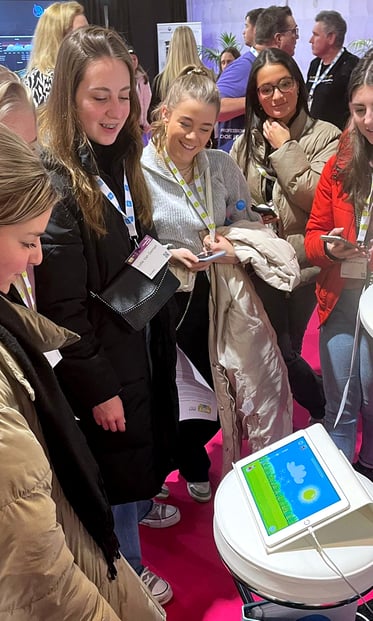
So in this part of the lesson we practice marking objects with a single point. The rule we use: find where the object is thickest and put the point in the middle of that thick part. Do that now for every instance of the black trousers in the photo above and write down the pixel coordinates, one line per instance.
(289, 314)
(192, 338)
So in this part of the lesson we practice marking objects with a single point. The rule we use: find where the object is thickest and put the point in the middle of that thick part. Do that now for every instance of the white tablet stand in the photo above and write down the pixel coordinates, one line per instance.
(295, 574)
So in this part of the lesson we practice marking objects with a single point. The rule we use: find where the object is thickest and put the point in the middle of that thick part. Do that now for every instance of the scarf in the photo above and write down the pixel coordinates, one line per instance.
(71, 458)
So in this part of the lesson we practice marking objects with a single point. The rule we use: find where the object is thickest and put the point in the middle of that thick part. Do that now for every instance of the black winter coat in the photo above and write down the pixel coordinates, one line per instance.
(110, 359)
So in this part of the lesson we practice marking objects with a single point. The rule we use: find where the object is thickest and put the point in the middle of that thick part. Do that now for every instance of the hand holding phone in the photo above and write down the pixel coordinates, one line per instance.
(209, 255)
(264, 210)
(338, 238)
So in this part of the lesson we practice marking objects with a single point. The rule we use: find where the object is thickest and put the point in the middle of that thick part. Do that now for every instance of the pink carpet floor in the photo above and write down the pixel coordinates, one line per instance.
(185, 554)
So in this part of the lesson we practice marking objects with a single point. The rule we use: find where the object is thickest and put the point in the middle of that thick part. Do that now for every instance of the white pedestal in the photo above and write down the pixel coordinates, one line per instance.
(298, 576)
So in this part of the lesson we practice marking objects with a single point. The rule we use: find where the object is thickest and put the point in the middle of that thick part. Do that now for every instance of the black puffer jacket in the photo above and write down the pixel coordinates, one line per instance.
(110, 359)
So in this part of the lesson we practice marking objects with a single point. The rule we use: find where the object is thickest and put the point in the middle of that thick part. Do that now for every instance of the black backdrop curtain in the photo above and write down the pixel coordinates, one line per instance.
(137, 20)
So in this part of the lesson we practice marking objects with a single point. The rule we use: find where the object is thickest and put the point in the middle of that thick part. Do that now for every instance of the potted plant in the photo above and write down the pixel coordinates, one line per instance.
(360, 46)
(226, 39)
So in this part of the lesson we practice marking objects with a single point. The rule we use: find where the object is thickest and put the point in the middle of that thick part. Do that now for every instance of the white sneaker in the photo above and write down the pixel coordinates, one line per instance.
(201, 492)
(161, 516)
(159, 588)
(164, 492)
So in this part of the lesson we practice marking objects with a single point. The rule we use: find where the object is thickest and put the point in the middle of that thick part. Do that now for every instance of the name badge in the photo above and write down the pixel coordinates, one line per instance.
(149, 257)
(354, 268)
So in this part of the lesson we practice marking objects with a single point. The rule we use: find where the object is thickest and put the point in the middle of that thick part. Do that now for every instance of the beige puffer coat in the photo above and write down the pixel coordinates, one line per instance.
(250, 377)
(51, 569)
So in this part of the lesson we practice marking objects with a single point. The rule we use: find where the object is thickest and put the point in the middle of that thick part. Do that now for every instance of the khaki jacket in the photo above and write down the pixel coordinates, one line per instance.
(51, 569)
(297, 165)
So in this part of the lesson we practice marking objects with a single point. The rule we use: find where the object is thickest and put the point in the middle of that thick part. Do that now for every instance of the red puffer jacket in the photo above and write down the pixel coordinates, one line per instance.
(330, 209)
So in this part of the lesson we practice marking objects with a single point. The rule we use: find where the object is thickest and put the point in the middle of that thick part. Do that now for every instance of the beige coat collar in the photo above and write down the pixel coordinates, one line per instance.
(43, 333)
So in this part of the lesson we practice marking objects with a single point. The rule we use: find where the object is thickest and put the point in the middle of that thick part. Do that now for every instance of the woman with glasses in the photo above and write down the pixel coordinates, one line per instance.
(282, 153)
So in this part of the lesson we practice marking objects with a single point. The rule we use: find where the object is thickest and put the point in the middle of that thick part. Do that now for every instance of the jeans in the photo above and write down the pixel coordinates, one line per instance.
(126, 525)
(336, 342)
(289, 314)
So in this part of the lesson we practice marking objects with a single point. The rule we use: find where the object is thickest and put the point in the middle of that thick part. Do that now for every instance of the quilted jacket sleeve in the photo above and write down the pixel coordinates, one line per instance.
(298, 164)
(38, 577)
(321, 220)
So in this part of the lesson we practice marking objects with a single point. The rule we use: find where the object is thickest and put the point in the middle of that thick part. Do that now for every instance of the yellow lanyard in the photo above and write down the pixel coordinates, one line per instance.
(199, 205)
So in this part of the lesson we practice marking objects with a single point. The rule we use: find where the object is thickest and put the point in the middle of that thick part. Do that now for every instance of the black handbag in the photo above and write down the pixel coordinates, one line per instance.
(136, 297)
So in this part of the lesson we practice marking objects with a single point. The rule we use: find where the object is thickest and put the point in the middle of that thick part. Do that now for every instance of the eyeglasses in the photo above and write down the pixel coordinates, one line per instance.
(294, 31)
(284, 86)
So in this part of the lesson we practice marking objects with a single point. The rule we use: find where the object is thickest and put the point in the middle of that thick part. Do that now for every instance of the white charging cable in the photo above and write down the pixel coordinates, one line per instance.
(331, 564)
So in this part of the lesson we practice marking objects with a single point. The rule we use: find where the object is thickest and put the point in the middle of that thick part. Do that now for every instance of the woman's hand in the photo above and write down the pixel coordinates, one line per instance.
(339, 250)
(268, 219)
(110, 414)
(187, 258)
(221, 243)
(276, 132)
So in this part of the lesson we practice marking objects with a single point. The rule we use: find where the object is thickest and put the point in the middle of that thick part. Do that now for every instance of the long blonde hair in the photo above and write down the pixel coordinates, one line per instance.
(52, 27)
(183, 51)
(26, 189)
(61, 133)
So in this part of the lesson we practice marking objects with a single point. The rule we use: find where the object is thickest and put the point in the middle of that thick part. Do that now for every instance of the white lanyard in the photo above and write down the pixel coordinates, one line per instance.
(24, 289)
(129, 215)
(199, 205)
(366, 216)
(319, 78)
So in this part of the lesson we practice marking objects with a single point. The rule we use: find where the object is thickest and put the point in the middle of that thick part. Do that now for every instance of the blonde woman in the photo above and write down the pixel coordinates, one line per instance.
(194, 188)
(57, 20)
(183, 51)
(56, 526)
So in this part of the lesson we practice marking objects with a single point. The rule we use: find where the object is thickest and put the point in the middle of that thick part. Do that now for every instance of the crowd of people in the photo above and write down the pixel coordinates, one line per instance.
(103, 172)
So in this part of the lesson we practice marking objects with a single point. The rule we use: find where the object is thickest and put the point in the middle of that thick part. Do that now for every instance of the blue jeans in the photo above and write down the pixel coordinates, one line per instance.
(126, 526)
(336, 341)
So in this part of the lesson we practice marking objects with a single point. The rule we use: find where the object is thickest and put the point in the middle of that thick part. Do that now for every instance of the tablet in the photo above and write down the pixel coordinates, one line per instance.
(289, 486)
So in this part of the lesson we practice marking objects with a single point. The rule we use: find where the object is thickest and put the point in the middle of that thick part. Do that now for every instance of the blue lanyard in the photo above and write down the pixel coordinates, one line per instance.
(129, 215)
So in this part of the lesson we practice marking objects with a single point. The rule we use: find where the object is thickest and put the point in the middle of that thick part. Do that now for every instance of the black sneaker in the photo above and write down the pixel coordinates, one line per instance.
(363, 610)
(364, 470)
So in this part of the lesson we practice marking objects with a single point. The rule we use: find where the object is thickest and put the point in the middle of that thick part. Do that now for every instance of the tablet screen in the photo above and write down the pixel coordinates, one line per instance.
(288, 485)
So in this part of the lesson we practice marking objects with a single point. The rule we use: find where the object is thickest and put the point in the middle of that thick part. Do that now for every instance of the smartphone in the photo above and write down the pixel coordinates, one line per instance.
(264, 210)
(210, 256)
(338, 238)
